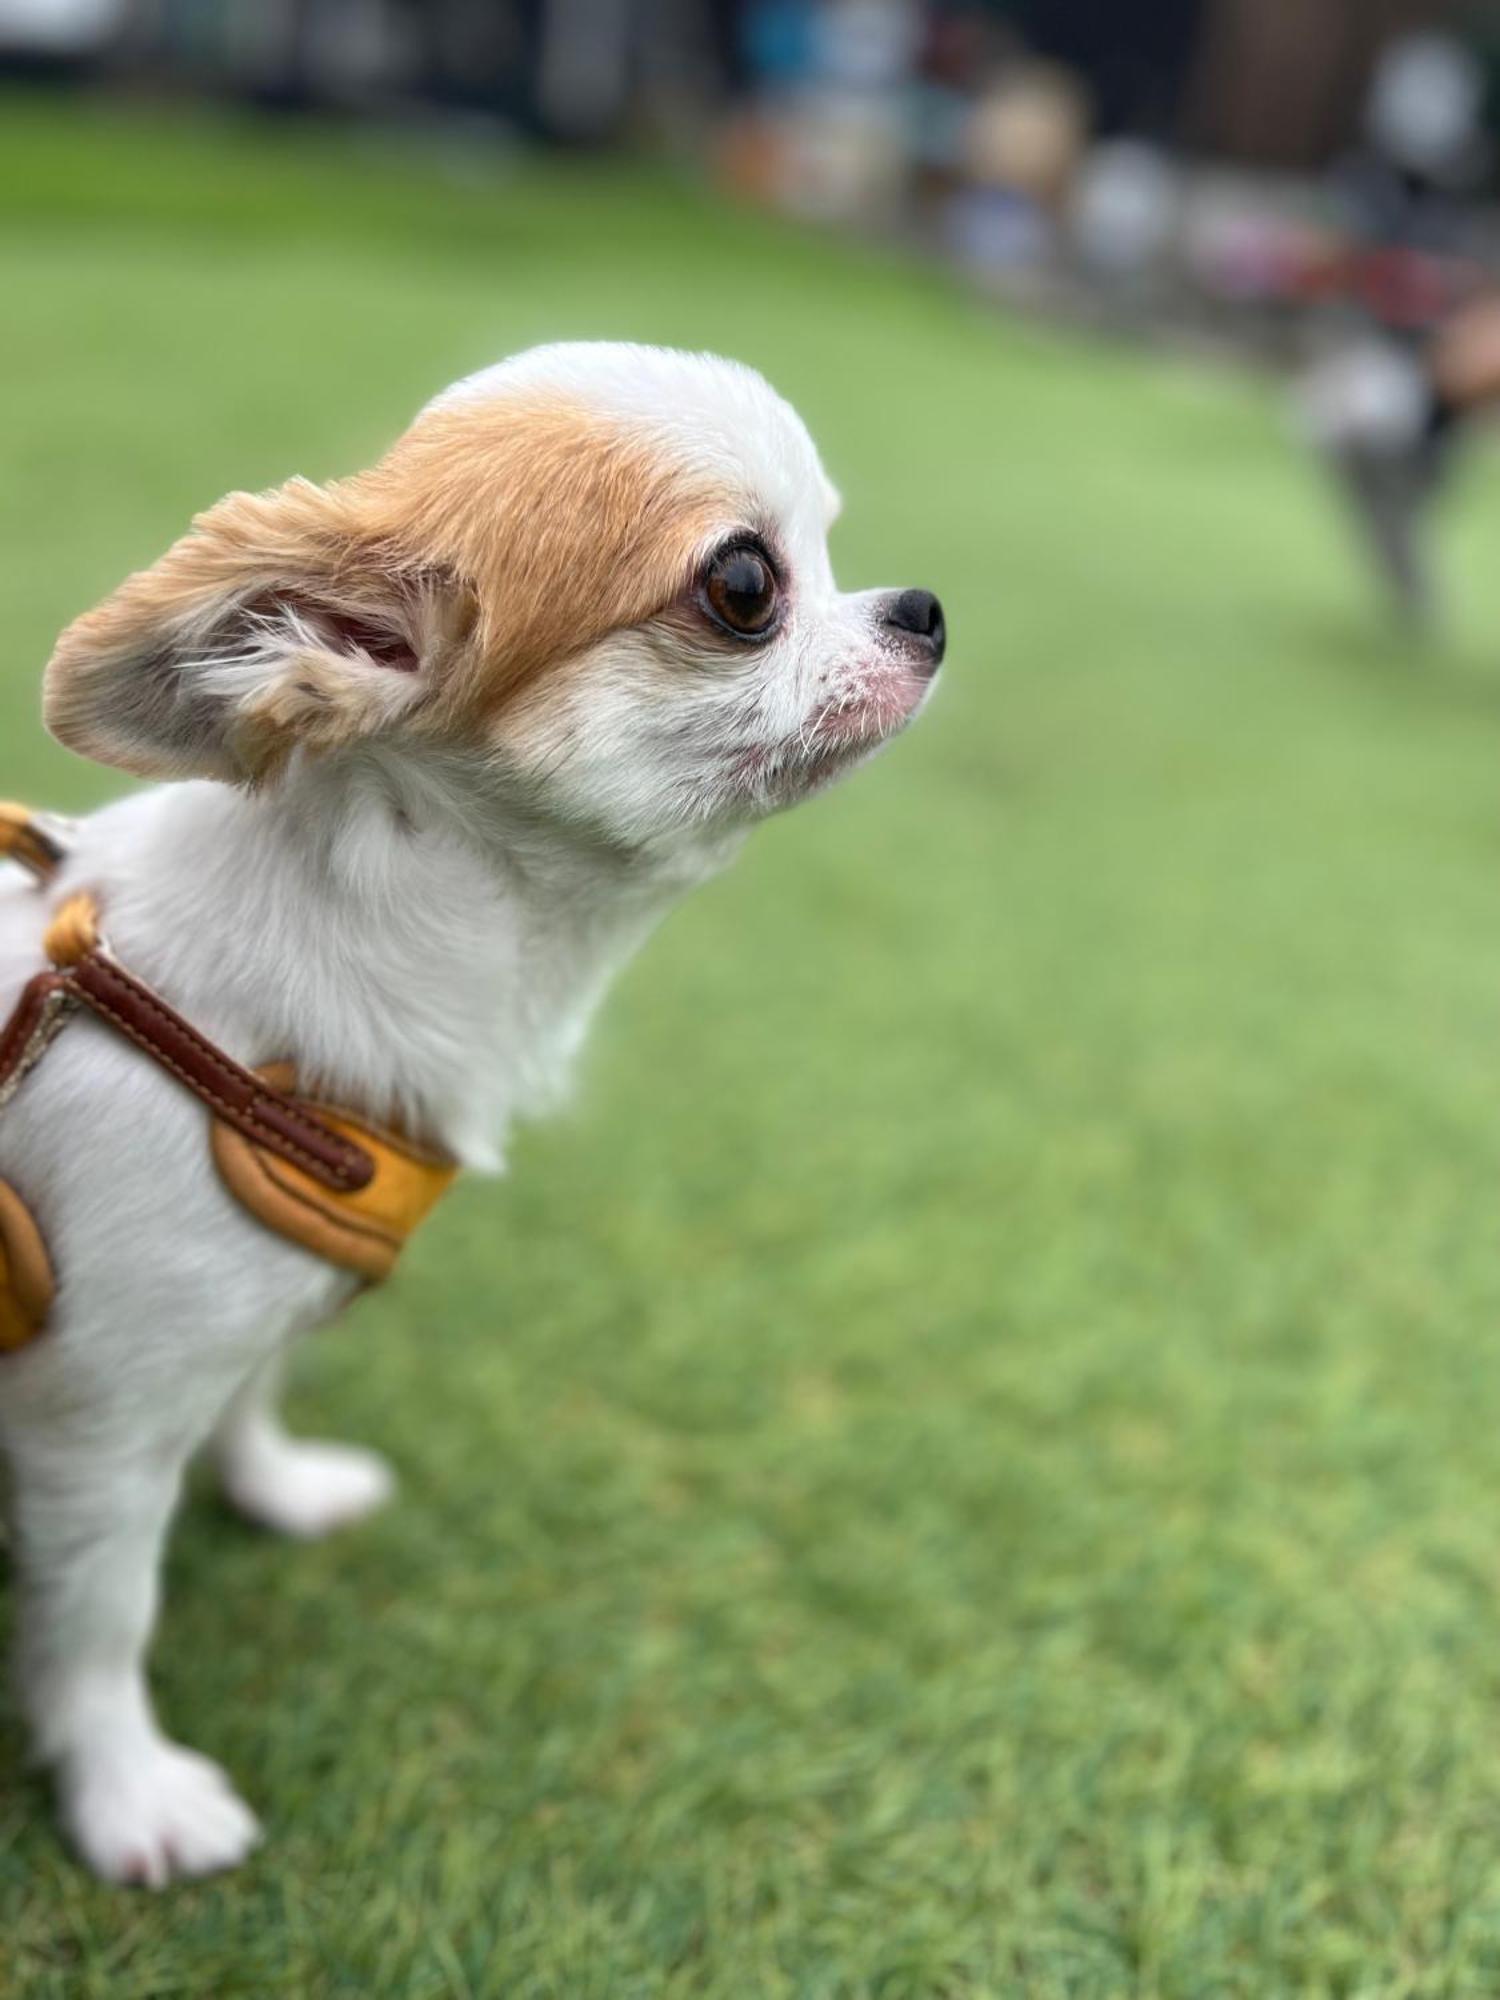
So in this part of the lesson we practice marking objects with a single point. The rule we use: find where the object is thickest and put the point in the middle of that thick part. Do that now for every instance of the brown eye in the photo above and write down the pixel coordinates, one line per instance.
(741, 590)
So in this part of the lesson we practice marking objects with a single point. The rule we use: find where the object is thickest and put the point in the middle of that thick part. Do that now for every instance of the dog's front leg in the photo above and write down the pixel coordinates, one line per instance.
(90, 1519)
(298, 1486)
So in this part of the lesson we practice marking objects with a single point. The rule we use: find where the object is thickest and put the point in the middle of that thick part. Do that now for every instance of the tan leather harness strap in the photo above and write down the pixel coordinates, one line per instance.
(33, 841)
(27, 1284)
(88, 975)
(37, 844)
(363, 1231)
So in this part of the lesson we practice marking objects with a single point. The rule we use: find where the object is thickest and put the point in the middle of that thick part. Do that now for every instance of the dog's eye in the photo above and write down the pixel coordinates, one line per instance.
(741, 592)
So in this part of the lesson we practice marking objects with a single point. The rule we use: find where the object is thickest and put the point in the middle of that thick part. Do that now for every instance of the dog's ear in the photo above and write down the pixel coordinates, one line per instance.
(280, 620)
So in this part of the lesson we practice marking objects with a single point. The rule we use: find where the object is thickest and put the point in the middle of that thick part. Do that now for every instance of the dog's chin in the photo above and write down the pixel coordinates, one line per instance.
(837, 738)
(807, 770)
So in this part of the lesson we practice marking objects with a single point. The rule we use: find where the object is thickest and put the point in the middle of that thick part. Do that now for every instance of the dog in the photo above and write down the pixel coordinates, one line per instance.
(434, 748)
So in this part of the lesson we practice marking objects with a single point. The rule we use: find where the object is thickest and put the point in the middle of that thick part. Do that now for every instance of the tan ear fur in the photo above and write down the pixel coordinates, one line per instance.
(271, 621)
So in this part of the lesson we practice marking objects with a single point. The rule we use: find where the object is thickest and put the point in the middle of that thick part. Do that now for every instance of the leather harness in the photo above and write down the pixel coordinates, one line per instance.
(318, 1175)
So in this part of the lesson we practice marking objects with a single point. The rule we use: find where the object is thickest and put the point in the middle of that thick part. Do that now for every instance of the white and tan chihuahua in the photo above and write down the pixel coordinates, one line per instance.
(456, 732)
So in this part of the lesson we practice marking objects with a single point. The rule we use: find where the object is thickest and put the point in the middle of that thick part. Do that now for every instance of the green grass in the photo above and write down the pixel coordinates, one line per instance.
(970, 1465)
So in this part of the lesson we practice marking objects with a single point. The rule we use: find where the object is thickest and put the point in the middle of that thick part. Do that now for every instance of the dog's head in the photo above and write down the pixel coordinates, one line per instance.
(599, 571)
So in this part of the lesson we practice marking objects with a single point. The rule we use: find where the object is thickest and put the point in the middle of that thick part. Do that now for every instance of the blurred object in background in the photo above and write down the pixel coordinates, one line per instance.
(610, 70)
(1257, 251)
(1367, 407)
(1126, 211)
(1026, 133)
(1409, 189)
(1424, 112)
(59, 28)
(1388, 417)
(824, 134)
(1022, 144)
(1388, 403)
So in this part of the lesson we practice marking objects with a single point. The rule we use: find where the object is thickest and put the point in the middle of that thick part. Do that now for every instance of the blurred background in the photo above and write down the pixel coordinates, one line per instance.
(966, 1465)
(1312, 184)
(1220, 162)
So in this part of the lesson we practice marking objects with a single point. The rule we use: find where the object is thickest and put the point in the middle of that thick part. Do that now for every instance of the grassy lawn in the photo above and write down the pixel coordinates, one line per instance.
(970, 1464)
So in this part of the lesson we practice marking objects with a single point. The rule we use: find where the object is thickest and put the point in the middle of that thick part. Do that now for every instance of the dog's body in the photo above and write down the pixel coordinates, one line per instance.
(468, 804)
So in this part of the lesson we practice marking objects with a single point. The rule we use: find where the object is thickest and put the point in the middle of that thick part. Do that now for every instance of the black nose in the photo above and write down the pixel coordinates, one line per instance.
(918, 612)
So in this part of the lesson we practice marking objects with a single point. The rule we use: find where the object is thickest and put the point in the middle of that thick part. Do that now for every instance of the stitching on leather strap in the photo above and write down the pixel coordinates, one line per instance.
(236, 1114)
(22, 1024)
(40, 1017)
(344, 1165)
(83, 973)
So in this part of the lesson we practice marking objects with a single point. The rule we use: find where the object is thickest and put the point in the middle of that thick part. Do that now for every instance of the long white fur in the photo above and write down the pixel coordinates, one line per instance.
(428, 947)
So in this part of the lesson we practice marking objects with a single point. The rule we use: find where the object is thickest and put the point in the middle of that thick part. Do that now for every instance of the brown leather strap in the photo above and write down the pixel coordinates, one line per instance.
(39, 1013)
(231, 1092)
(27, 1285)
(84, 974)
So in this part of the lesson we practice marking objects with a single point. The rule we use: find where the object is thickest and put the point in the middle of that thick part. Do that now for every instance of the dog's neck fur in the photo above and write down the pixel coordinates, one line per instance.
(423, 951)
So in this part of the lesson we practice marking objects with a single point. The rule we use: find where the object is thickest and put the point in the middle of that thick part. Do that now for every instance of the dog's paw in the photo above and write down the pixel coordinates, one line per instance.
(307, 1489)
(157, 1816)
